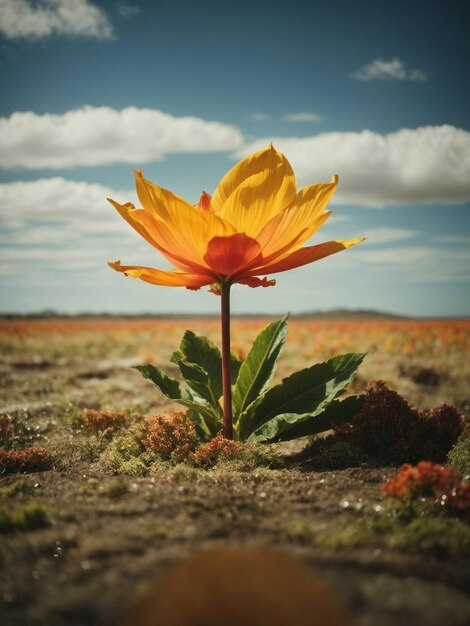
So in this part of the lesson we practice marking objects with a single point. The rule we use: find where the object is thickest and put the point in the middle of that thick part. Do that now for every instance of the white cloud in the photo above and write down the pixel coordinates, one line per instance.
(24, 19)
(423, 165)
(397, 265)
(259, 117)
(302, 116)
(56, 199)
(127, 10)
(388, 70)
(386, 235)
(59, 212)
(336, 219)
(34, 255)
(97, 136)
(453, 239)
(413, 264)
(57, 224)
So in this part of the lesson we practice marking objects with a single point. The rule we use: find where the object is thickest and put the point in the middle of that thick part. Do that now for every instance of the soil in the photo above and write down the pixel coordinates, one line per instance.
(101, 551)
(109, 536)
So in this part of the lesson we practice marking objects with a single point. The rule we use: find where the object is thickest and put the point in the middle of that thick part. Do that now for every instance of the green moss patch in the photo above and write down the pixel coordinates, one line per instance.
(29, 517)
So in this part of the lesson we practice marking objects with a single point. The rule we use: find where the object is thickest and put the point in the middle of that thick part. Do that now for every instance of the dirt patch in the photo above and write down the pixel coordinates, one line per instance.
(102, 549)
(108, 535)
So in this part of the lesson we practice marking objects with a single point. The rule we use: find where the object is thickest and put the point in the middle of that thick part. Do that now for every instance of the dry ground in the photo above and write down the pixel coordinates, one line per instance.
(109, 535)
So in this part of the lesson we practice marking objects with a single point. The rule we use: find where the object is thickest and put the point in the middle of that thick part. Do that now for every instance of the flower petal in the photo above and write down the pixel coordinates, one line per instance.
(191, 227)
(168, 278)
(290, 229)
(157, 235)
(304, 256)
(229, 255)
(254, 281)
(205, 201)
(158, 201)
(126, 211)
(179, 252)
(255, 190)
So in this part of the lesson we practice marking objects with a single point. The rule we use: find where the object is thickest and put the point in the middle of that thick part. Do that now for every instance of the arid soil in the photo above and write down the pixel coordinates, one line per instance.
(109, 535)
(101, 550)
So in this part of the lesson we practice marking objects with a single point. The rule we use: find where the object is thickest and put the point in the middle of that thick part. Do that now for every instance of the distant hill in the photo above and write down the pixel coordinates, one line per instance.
(331, 314)
(350, 313)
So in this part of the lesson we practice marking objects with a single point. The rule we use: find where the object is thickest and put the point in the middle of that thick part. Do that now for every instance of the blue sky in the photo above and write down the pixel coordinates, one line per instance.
(374, 91)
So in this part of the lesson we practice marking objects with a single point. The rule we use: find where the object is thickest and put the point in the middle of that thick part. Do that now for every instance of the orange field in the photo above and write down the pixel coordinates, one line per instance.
(426, 360)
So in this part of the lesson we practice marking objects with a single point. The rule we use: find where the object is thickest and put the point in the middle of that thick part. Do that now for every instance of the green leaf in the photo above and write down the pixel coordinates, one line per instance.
(304, 392)
(203, 353)
(235, 365)
(198, 380)
(171, 389)
(203, 431)
(211, 420)
(258, 367)
(292, 425)
(176, 357)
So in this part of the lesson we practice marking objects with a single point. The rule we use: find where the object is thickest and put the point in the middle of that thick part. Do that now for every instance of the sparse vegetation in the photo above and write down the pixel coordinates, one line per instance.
(171, 440)
(25, 461)
(118, 505)
(28, 517)
(114, 489)
(19, 488)
(459, 456)
(440, 537)
(387, 430)
(429, 489)
(332, 453)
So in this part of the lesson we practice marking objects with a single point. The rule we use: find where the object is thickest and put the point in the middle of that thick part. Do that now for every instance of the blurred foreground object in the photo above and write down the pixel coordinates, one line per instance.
(238, 586)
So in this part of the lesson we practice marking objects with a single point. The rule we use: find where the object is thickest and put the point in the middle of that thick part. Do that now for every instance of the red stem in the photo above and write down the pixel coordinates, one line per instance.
(226, 374)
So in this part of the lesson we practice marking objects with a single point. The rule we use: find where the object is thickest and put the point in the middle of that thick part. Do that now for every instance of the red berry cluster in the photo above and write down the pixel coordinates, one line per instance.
(389, 430)
(171, 438)
(430, 488)
(99, 422)
(174, 438)
(29, 460)
(216, 450)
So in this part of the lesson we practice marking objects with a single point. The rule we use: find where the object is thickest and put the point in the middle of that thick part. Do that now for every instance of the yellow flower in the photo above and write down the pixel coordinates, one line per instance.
(254, 225)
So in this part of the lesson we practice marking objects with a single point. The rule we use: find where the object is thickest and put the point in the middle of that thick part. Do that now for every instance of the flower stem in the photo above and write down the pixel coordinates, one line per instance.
(226, 374)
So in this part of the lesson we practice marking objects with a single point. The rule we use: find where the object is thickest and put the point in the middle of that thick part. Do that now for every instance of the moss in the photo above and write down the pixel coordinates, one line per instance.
(88, 487)
(441, 537)
(388, 430)
(438, 536)
(251, 457)
(330, 453)
(70, 453)
(114, 489)
(459, 457)
(355, 535)
(17, 489)
(298, 531)
(28, 517)
(126, 454)
(134, 467)
(16, 430)
(179, 473)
